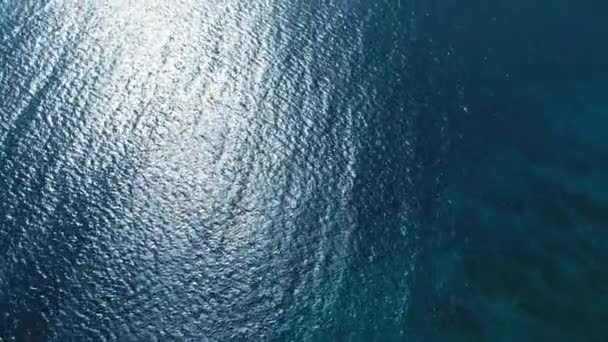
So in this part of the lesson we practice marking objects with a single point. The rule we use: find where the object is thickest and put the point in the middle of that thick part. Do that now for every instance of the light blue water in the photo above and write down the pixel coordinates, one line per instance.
(303, 170)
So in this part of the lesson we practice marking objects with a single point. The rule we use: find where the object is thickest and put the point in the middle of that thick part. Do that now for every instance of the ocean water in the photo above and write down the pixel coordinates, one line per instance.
(391, 170)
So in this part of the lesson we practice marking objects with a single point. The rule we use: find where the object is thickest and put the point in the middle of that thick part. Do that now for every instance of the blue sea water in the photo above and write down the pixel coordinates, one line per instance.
(407, 170)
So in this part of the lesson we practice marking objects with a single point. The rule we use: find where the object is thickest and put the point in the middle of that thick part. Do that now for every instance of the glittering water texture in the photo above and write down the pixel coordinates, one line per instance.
(302, 170)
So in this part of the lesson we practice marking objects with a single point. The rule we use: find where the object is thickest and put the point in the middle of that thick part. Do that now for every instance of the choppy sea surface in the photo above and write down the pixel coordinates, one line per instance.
(407, 170)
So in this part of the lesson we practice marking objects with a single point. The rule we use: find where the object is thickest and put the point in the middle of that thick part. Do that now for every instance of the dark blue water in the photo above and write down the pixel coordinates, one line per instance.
(303, 170)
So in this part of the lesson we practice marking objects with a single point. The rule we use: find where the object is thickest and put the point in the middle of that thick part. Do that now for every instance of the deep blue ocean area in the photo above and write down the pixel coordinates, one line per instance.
(303, 170)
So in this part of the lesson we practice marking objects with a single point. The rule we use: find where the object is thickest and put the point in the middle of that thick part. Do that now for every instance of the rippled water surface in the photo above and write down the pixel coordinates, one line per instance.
(302, 170)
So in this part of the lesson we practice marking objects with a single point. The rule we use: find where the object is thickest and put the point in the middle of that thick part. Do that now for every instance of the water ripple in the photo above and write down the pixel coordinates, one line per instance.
(202, 170)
